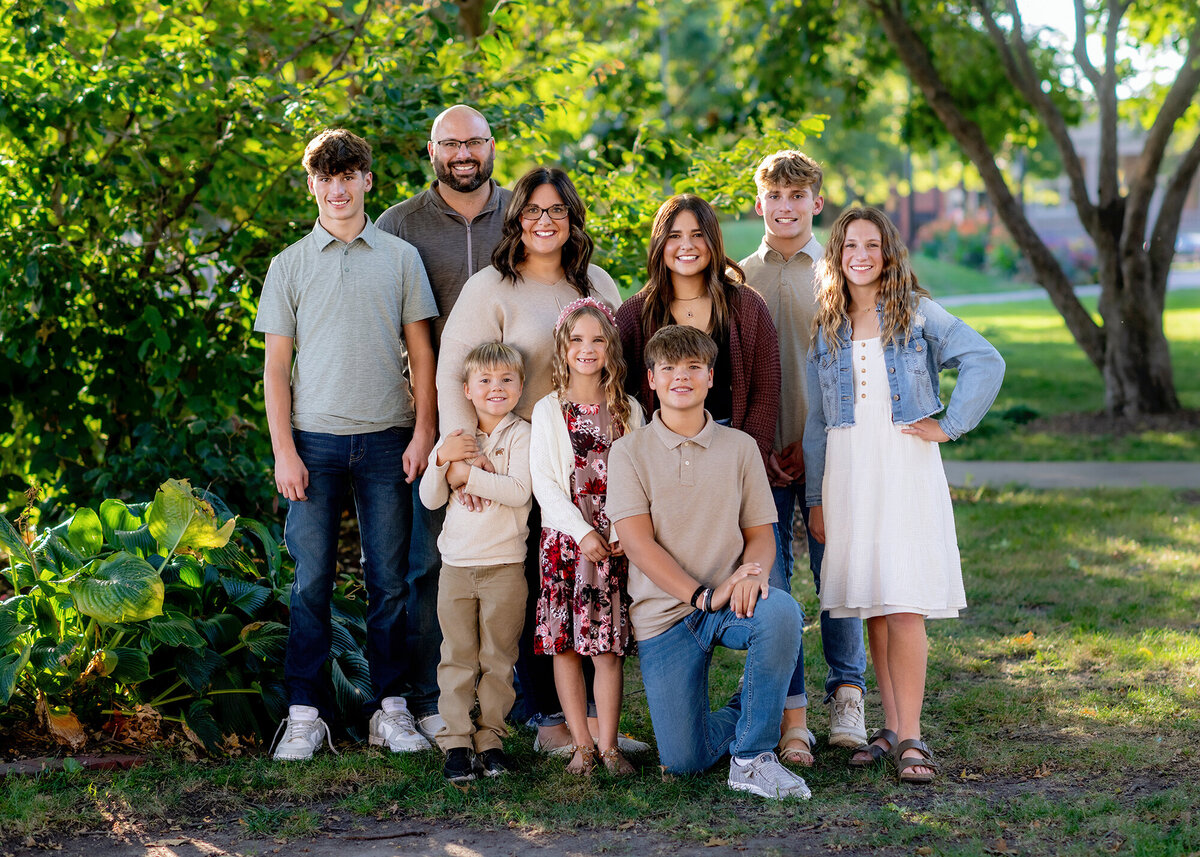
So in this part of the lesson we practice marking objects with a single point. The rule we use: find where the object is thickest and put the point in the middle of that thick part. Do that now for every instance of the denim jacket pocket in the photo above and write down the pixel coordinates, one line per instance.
(922, 390)
(827, 374)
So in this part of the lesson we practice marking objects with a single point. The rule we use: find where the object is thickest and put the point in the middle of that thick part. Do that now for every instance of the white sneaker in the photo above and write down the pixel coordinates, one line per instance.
(395, 729)
(847, 722)
(430, 725)
(303, 734)
(766, 777)
(629, 744)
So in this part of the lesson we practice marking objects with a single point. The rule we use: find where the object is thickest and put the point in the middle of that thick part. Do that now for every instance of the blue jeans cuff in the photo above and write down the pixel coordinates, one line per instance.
(799, 700)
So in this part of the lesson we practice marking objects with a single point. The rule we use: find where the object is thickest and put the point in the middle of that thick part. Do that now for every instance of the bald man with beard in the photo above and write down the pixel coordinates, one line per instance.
(455, 225)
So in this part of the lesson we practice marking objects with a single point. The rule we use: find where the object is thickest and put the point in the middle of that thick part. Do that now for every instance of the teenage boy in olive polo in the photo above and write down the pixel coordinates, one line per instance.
(455, 223)
(693, 511)
(348, 300)
(781, 270)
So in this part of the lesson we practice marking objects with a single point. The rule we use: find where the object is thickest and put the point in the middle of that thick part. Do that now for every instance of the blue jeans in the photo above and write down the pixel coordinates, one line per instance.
(371, 466)
(841, 639)
(424, 633)
(675, 666)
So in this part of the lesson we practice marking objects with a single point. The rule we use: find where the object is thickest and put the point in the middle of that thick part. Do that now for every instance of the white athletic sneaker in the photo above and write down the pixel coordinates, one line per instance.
(303, 734)
(392, 726)
(430, 725)
(766, 777)
(847, 722)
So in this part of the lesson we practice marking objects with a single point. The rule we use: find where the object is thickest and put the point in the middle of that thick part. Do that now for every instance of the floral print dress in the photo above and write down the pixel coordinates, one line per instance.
(583, 605)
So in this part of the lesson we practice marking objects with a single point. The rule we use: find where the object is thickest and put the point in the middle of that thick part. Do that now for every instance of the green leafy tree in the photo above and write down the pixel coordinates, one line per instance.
(1134, 241)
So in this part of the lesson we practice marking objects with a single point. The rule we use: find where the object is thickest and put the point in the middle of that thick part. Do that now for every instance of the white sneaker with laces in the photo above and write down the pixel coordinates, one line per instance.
(392, 726)
(766, 777)
(847, 722)
(430, 725)
(303, 734)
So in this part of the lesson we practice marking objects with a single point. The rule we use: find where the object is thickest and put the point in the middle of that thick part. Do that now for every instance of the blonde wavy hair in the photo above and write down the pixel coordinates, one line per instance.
(612, 376)
(899, 290)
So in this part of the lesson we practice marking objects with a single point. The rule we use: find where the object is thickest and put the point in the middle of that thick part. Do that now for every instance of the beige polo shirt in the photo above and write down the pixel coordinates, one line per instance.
(788, 288)
(700, 493)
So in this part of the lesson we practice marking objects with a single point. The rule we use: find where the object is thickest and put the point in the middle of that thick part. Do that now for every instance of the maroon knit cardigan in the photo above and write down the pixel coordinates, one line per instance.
(754, 357)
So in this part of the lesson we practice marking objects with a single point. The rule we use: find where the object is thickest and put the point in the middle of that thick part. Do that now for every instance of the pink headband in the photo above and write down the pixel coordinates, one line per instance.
(579, 303)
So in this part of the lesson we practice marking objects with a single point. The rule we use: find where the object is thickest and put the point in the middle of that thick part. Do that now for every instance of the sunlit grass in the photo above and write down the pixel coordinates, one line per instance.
(1063, 705)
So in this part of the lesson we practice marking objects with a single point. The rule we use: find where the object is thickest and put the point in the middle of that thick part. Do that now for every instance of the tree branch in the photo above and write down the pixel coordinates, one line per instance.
(916, 57)
(1081, 55)
(1166, 227)
(1144, 178)
(1030, 86)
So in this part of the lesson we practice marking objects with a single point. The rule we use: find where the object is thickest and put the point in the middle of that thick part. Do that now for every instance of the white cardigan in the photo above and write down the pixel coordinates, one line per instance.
(552, 464)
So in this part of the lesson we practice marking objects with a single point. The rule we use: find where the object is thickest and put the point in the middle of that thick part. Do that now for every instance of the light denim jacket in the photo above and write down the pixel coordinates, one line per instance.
(938, 341)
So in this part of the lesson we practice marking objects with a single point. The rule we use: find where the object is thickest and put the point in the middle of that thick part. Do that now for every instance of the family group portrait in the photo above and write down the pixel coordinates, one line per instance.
(478, 428)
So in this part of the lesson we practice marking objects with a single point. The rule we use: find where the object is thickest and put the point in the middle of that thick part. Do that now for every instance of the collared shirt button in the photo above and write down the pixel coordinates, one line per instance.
(892, 371)
(895, 398)
(685, 461)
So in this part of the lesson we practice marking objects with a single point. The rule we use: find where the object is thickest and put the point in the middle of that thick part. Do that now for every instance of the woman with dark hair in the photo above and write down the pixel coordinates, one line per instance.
(691, 281)
(541, 264)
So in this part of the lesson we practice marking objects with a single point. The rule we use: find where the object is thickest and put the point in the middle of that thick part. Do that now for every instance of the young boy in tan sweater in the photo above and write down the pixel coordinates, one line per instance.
(482, 591)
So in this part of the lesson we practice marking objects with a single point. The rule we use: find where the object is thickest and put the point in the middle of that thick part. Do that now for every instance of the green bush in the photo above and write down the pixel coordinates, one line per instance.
(172, 609)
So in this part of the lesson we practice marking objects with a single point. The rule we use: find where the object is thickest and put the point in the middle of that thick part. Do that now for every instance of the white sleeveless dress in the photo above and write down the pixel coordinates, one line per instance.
(890, 545)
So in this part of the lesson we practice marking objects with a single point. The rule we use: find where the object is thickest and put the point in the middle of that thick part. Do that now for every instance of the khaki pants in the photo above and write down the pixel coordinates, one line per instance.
(481, 610)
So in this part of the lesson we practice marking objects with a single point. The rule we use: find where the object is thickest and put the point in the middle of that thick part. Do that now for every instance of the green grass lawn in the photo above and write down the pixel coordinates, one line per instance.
(1064, 706)
(1048, 374)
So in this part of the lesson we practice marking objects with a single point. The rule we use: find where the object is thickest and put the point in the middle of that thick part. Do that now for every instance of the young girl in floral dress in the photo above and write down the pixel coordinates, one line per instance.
(583, 608)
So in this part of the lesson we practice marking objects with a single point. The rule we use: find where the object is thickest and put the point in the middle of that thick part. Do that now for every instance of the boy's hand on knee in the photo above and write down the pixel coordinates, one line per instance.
(748, 576)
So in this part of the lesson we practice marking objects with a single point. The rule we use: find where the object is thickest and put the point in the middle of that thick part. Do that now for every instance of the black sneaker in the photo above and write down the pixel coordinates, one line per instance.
(460, 765)
(494, 763)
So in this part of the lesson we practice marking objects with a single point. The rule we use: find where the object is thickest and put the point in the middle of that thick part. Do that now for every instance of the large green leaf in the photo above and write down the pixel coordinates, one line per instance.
(133, 665)
(199, 720)
(10, 667)
(52, 655)
(62, 556)
(221, 630)
(232, 557)
(175, 630)
(11, 626)
(85, 532)
(179, 519)
(271, 549)
(197, 667)
(116, 516)
(246, 596)
(351, 683)
(14, 544)
(268, 640)
(137, 541)
(125, 588)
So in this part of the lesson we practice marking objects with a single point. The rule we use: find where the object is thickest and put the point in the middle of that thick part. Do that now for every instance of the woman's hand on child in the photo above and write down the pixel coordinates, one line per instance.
(457, 446)
(594, 547)
(927, 429)
(472, 502)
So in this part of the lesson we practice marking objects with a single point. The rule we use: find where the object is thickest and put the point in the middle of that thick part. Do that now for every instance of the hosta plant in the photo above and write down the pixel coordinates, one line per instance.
(172, 610)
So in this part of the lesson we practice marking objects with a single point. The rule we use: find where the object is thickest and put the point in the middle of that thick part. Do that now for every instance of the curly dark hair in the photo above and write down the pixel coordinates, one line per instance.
(576, 253)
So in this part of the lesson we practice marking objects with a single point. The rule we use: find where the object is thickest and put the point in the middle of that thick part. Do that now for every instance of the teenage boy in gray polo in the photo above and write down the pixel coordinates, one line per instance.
(349, 300)
(781, 270)
(455, 224)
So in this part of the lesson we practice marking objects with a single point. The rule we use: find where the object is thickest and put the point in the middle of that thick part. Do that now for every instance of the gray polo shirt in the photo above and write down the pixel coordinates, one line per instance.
(452, 248)
(345, 305)
(787, 287)
(700, 493)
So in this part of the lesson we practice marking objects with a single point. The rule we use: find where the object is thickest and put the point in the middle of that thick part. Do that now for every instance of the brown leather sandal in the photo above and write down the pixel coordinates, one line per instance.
(616, 764)
(587, 760)
(904, 774)
(874, 750)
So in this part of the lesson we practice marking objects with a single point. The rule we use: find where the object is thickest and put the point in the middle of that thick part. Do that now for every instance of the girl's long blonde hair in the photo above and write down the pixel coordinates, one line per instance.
(612, 376)
(899, 290)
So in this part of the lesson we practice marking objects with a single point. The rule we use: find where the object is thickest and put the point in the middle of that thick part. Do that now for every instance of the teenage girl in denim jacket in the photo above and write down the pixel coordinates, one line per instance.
(874, 472)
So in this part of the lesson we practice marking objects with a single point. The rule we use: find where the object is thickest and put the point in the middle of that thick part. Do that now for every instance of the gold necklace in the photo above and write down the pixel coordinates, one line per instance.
(690, 314)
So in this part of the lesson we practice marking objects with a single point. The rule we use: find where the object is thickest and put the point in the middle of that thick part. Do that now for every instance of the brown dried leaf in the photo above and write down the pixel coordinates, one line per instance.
(716, 842)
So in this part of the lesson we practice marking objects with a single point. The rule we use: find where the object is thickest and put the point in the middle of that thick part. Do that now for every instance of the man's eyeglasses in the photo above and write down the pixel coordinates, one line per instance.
(558, 211)
(449, 146)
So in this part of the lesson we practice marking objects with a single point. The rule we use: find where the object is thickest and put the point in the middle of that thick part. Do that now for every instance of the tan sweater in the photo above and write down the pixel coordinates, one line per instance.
(521, 315)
